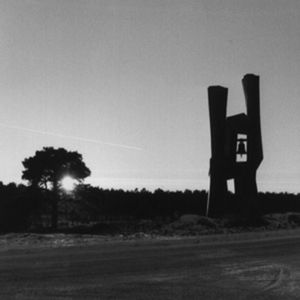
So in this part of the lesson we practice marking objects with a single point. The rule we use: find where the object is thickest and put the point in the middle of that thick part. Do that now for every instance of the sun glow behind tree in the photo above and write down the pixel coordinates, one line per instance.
(49, 167)
(68, 183)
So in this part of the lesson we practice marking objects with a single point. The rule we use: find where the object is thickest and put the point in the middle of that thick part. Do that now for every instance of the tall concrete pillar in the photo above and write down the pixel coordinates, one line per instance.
(217, 100)
(255, 152)
(251, 90)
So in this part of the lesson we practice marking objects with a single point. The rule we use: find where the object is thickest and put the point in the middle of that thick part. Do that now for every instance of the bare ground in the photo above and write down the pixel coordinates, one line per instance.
(260, 264)
(168, 268)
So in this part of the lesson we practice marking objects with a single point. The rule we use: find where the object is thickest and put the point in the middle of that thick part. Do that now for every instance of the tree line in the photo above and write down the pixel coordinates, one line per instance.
(24, 208)
(44, 203)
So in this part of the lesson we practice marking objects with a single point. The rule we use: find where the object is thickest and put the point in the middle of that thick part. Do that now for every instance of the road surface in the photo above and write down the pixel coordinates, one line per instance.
(183, 269)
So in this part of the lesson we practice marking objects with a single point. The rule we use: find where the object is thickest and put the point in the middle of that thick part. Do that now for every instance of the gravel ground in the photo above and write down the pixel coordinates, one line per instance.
(159, 269)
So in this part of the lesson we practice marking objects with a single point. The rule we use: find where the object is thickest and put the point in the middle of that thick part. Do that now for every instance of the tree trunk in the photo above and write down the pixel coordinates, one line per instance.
(55, 198)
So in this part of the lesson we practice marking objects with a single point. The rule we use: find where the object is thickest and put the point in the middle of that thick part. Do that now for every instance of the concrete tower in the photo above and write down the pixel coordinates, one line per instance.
(236, 147)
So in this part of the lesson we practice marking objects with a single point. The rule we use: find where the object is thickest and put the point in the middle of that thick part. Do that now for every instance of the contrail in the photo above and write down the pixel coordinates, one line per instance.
(71, 137)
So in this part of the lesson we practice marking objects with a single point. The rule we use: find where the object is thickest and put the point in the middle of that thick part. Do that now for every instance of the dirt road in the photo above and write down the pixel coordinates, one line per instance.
(165, 270)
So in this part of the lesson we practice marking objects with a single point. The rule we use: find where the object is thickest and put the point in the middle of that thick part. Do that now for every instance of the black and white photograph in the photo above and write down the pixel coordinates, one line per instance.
(150, 149)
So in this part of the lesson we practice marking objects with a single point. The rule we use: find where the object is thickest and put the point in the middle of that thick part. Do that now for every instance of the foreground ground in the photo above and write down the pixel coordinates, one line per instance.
(56, 267)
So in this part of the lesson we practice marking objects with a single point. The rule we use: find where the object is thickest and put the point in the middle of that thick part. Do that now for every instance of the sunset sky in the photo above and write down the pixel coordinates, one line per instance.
(124, 82)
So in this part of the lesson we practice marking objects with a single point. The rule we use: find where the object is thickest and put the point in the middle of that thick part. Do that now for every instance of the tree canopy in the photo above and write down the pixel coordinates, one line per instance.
(49, 166)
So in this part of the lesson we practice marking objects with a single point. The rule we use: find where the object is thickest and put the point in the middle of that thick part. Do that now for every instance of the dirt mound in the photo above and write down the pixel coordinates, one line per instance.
(282, 221)
(191, 225)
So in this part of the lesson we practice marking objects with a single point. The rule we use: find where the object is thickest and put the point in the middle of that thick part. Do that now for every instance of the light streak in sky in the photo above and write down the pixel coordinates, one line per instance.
(76, 138)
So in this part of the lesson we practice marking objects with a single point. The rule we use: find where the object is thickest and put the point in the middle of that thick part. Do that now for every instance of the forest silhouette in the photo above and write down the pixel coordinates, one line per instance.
(24, 208)
(30, 207)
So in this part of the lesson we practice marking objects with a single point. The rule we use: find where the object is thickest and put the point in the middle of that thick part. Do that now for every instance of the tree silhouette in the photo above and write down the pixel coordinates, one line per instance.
(48, 167)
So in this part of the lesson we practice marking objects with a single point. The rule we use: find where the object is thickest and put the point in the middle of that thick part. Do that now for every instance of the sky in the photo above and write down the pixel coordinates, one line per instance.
(124, 83)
